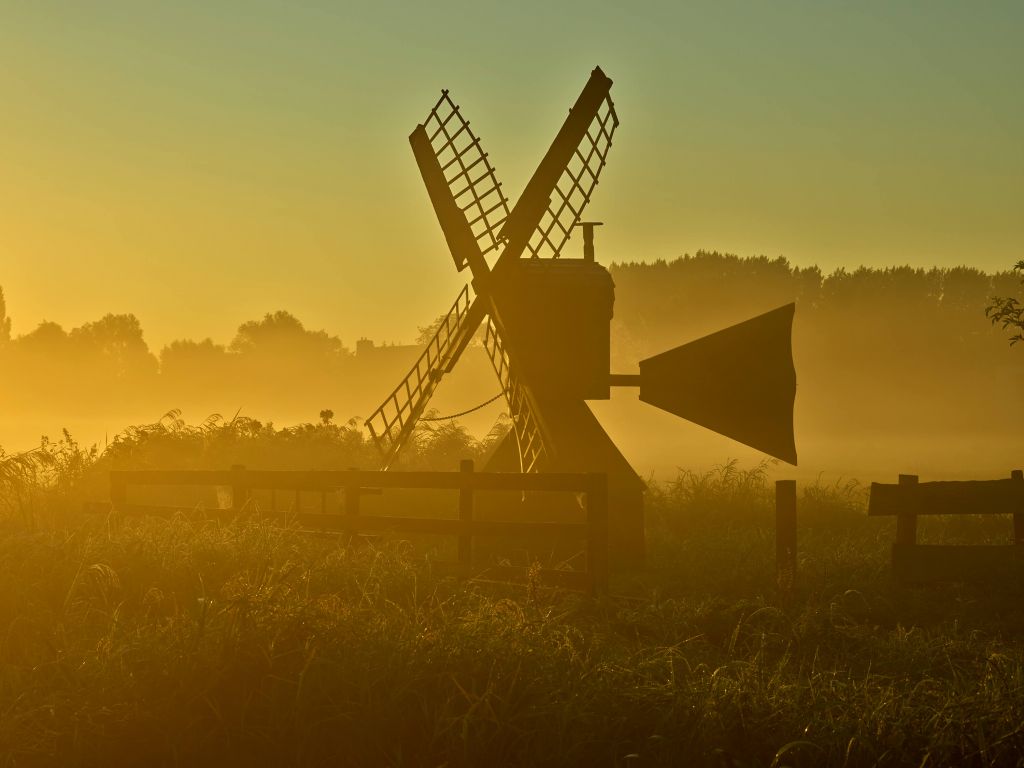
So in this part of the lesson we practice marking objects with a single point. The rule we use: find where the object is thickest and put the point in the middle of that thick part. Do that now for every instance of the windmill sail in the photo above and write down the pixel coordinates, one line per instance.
(392, 424)
(461, 182)
(533, 453)
(560, 188)
(575, 186)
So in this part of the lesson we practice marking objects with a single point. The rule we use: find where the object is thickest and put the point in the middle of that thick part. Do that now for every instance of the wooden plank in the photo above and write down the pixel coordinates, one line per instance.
(166, 510)
(785, 534)
(326, 480)
(171, 477)
(481, 481)
(570, 532)
(950, 497)
(576, 532)
(923, 563)
(569, 579)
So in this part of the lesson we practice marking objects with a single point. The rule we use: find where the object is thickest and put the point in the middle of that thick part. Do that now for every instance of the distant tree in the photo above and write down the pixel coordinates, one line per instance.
(115, 342)
(5, 321)
(1008, 312)
(281, 334)
(46, 338)
(428, 331)
(185, 356)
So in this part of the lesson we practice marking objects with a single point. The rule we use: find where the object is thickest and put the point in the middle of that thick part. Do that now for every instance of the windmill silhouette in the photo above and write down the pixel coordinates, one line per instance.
(548, 319)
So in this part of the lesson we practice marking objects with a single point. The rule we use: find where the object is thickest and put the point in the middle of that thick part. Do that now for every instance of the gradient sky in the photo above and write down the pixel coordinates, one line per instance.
(201, 163)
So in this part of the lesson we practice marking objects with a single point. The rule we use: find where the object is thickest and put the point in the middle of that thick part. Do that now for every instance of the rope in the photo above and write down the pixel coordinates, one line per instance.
(463, 413)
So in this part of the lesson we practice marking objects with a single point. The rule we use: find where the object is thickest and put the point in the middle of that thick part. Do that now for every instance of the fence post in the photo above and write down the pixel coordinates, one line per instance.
(466, 511)
(785, 534)
(1018, 517)
(239, 488)
(597, 531)
(906, 518)
(352, 496)
(118, 491)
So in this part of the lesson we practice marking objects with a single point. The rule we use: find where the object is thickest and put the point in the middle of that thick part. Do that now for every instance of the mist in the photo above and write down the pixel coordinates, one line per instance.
(898, 369)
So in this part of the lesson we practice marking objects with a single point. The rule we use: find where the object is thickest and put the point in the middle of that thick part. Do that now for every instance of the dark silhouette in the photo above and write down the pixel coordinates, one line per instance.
(5, 321)
(548, 319)
(1008, 312)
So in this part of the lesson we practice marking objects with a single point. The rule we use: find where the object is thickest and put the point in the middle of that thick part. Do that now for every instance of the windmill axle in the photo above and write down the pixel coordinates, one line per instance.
(624, 379)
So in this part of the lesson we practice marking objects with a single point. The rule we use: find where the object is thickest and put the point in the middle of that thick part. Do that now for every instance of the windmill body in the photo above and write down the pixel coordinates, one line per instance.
(559, 311)
(548, 319)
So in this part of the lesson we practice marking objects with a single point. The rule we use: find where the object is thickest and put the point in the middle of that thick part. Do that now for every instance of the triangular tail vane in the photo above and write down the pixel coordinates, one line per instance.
(739, 382)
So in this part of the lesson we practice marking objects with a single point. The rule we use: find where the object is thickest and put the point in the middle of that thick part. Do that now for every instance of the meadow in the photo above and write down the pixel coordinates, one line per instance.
(145, 641)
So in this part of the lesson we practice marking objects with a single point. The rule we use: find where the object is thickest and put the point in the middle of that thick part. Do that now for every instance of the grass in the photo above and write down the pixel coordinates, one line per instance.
(177, 642)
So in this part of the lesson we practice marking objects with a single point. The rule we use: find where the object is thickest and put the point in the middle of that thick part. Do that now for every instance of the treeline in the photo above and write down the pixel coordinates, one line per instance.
(902, 348)
(934, 308)
(113, 349)
(899, 348)
(107, 363)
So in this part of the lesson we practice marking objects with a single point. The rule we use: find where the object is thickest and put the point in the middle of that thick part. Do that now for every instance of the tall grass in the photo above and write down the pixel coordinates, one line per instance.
(176, 642)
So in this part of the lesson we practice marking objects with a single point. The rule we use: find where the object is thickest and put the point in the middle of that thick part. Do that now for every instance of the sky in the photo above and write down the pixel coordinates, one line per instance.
(201, 163)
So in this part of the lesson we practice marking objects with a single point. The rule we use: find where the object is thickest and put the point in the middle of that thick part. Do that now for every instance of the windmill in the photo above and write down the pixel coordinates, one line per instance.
(548, 319)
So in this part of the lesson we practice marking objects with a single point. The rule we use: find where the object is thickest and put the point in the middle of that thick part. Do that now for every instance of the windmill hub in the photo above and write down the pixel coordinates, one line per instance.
(548, 318)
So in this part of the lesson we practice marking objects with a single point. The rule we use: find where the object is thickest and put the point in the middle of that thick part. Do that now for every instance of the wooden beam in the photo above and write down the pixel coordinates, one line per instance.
(575, 482)
(955, 497)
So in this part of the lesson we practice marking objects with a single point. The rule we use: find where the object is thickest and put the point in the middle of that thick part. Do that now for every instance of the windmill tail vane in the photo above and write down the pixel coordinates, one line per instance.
(548, 317)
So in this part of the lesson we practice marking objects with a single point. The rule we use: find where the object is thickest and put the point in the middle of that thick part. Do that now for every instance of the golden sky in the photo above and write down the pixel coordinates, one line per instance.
(201, 163)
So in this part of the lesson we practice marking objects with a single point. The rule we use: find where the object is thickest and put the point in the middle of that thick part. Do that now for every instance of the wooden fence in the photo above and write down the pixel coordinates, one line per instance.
(907, 499)
(354, 484)
(785, 534)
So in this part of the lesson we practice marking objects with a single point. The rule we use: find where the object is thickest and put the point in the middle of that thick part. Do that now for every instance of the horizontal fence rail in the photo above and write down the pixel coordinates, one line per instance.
(908, 499)
(354, 483)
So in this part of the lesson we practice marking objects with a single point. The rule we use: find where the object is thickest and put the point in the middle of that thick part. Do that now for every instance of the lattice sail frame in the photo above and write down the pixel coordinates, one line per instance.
(468, 172)
(525, 426)
(391, 425)
(575, 186)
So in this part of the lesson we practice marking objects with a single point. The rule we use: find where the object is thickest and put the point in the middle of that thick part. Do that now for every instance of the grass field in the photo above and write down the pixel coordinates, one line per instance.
(182, 642)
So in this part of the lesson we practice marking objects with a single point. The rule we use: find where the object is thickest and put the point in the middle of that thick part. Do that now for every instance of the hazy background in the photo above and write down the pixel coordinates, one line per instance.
(898, 369)
(199, 165)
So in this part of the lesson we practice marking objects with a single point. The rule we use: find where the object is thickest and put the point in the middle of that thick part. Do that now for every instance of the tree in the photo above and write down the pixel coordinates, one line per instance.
(48, 338)
(116, 343)
(281, 334)
(5, 321)
(186, 357)
(1008, 312)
